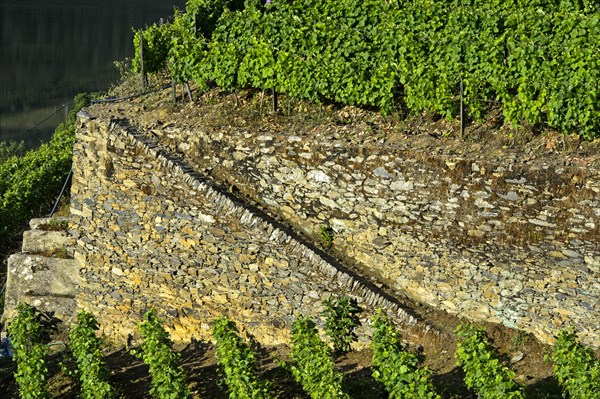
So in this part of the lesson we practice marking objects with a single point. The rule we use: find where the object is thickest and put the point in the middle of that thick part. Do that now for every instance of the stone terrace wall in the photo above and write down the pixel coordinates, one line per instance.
(488, 238)
(151, 233)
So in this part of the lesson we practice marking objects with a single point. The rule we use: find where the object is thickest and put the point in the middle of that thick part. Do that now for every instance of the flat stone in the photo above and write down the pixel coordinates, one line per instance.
(542, 223)
(46, 242)
(481, 203)
(571, 254)
(328, 202)
(342, 224)
(510, 196)
(318, 176)
(382, 172)
(313, 294)
(517, 357)
(556, 254)
(401, 185)
(560, 297)
(521, 180)
(36, 223)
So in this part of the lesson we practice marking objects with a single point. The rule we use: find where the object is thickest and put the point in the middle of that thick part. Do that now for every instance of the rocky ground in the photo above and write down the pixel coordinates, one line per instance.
(489, 139)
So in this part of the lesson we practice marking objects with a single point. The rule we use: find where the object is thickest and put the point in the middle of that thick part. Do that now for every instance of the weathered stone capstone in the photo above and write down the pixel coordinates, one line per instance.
(43, 275)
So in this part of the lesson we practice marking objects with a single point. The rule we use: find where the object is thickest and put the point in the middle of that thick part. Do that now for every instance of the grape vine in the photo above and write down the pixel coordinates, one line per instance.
(85, 346)
(396, 368)
(576, 367)
(168, 377)
(341, 321)
(536, 60)
(484, 373)
(30, 353)
(313, 366)
(238, 362)
(31, 181)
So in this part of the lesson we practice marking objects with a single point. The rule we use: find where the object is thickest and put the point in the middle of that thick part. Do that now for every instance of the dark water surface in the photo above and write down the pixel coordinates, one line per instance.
(52, 50)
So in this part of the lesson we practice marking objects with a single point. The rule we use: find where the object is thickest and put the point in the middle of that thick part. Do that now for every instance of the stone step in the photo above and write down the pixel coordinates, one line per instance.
(48, 243)
(48, 223)
(50, 284)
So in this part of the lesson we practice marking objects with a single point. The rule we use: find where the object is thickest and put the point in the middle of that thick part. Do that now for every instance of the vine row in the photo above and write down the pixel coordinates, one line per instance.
(538, 60)
(398, 369)
(31, 180)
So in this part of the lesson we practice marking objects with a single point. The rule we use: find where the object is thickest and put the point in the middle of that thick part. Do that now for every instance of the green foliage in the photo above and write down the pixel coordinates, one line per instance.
(519, 338)
(552, 65)
(208, 12)
(238, 362)
(313, 366)
(309, 49)
(182, 44)
(341, 319)
(396, 368)
(576, 367)
(82, 100)
(168, 378)
(157, 40)
(326, 235)
(30, 183)
(61, 253)
(85, 346)
(187, 52)
(30, 354)
(480, 361)
(540, 66)
(9, 149)
(124, 68)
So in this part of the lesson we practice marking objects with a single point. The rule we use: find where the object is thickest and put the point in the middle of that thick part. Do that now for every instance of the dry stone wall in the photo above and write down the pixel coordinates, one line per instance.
(487, 237)
(151, 233)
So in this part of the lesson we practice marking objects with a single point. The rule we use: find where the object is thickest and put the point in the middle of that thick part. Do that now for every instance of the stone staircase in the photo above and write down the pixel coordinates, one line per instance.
(44, 274)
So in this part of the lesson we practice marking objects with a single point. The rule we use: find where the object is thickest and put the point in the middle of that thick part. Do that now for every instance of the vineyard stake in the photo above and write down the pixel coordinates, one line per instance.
(462, 114)
(173, 90)
(189, 93)
(195, 27)
(143, 73)
(262, 98)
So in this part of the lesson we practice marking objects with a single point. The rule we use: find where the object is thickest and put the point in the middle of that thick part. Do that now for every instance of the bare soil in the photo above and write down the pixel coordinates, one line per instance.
(490, 139)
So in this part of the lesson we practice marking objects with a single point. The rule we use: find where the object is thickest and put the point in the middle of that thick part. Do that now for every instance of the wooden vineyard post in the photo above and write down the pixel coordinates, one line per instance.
(189, 92)
(173, 86)
(462, 113)
(195, 27)
(173, 90)
(142, 71)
